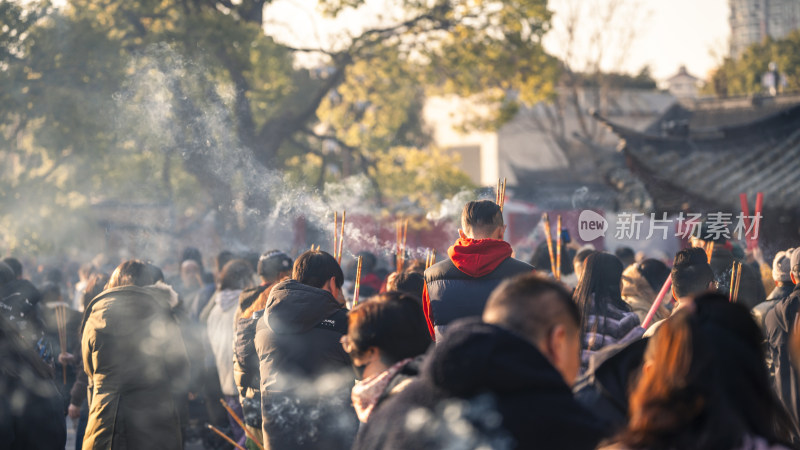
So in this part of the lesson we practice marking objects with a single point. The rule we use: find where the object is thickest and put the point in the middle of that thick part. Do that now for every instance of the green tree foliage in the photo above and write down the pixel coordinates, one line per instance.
(146, 101)
(742, 76)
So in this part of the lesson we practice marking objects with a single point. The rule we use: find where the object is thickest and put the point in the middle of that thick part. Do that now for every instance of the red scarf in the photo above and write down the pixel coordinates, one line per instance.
(474, 257)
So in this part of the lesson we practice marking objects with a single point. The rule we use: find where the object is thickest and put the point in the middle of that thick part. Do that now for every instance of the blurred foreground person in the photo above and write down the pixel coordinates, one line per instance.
(305, 372)
(480, 259)
(501, 383)
(273, 267)
(778, 324)
(384, 337)
(136, 361)
(18, 302)
(606, 318)
(31, 408)
(705, 385)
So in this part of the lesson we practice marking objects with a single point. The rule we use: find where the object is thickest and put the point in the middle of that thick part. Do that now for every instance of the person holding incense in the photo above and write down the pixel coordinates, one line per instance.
(478, 262)
(605, 318)
(61, 324)
(385, 337)
(779, 324)
(297, 343)
(136, 360)
(273, 267)
(640, 284)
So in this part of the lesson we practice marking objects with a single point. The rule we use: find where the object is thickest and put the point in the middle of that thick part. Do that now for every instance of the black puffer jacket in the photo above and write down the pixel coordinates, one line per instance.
(305, 373)
(779, 323)
(483, 386)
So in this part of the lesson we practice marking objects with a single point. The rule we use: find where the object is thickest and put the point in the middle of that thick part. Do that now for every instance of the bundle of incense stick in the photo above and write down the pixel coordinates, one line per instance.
(241, 424)
(314, 248)
(357, 288)
(558, 247)
(736, 278)
(224, 436)
(61, 321)
(430, 259)
(500, 193)
(401, 228)
(709, 247)
(338, 241)
(548, 237)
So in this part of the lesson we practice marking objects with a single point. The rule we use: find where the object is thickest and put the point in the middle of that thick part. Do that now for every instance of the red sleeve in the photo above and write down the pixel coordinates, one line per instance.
(426, 309)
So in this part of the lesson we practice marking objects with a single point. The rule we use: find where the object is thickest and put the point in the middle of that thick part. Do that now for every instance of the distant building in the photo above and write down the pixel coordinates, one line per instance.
(752, 21)
(684, 85)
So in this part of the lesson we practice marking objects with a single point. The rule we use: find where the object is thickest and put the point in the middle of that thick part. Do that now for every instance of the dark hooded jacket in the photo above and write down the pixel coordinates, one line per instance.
(495, 382)
(18, 301)
(761, 310)
(459, 287)
(604, 388)
(306, 375)
(778, 324)
(135, 358)
(31, 409)
(245, 360)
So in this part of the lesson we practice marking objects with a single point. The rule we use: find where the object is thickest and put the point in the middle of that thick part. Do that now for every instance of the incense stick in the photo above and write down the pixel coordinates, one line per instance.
(61, 322)
(241, 424)
(558, 247)
(657, 303)
(738, 281)
(341, 239)
(709, 247)
(224, 436)
(335, 237)
(736, 275)
(503, 195)
(357, 288)
(548, 236)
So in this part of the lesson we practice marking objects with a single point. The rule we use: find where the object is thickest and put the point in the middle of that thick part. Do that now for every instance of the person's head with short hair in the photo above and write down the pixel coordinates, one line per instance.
(319, 269)
(482, 219)
(654, 272)
(691, 274)
(626, 255)
(409, 282)
(384, 330)
(236, 275)
(192, 253)
(6, 273)
(705, 384)
(782, 266)
(15, 266)
(191, 274)
(273, 266)
(133, 273)
(541, 311)
(578, 260)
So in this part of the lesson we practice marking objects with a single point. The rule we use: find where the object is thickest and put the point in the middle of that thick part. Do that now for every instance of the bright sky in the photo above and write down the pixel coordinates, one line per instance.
(669, 33)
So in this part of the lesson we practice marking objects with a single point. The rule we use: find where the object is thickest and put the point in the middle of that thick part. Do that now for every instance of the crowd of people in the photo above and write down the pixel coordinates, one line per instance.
(479, 350)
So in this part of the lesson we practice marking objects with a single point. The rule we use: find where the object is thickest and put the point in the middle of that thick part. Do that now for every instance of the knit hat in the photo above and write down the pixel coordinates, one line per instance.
(781, 265)
(795, 258)
(271, 263)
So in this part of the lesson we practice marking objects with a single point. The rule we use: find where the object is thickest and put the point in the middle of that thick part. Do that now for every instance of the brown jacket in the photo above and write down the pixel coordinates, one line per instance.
(136, 361)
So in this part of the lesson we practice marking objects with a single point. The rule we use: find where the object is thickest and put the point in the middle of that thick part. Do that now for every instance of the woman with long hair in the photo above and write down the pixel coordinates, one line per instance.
(605, 318)
(705, 385)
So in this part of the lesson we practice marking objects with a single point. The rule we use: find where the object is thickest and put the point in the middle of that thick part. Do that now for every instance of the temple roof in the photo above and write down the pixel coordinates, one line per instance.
(719, 150)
